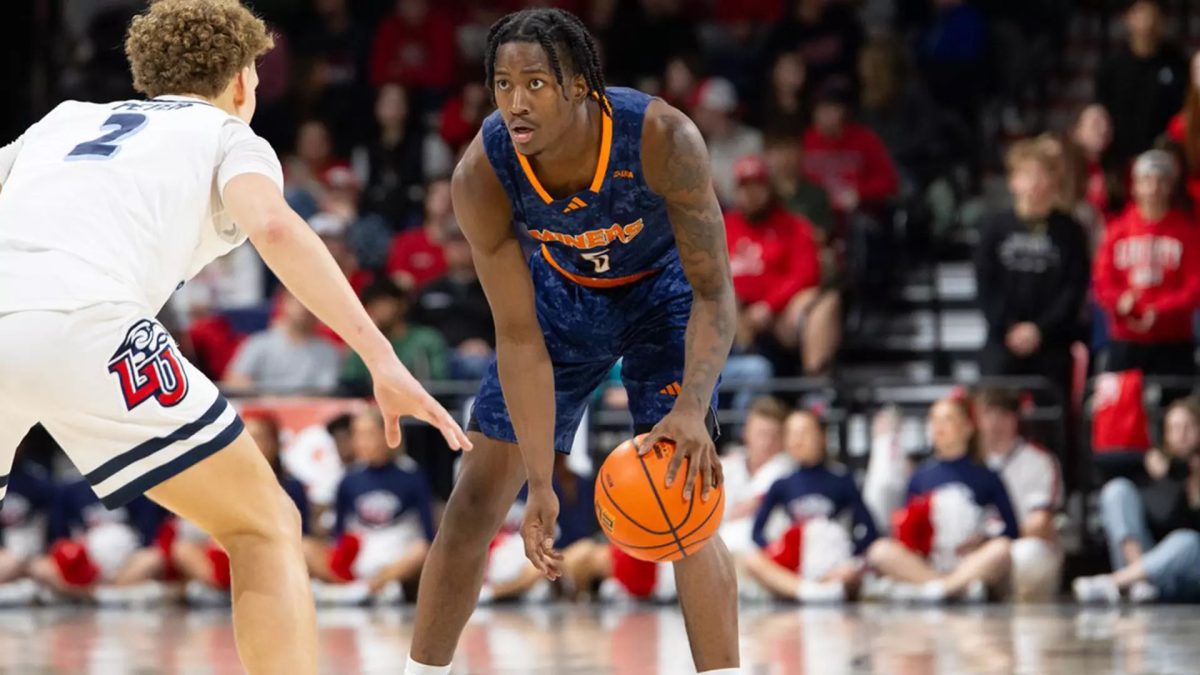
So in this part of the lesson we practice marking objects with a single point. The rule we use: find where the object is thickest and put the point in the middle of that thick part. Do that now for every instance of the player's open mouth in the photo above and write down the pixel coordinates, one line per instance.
(521, 133)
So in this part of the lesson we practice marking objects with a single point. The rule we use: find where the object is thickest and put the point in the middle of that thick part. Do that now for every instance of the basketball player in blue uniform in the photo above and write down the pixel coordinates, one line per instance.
(613, 188)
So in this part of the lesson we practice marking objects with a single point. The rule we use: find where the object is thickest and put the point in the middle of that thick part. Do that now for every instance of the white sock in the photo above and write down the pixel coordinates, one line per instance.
(723, 671)
(414, 668)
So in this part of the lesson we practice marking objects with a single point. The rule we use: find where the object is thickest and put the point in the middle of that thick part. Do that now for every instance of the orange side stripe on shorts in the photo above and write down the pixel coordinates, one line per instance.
(593, 282)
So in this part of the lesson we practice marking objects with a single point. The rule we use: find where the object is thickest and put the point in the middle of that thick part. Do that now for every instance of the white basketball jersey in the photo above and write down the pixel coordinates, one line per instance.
(120, 202)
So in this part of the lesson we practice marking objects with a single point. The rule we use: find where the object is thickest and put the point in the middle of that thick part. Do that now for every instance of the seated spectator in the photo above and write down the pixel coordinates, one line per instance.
(900, 111)
(509, 575)
(421, 349)
(1142, 84)
(777, 272)
(715, 113)
(395, 164)
(463, 115)
(1031, 274)
(333, 231)
(383, 527)
(24, 520)
(941, 547)
(110, 556)
(826, 34)
(288, 357)
(415, 47)
(1184, 130)
(796, 192)
(1153, 543)
(417, 255)
(1090, 176)
(1034, 483)
(197, 557)
(318, 457)
(306, 170)
(456, 307)
(333, 44)
(786, 110)
(846, 157)
(851, 163)
(819, 558)
(1147, 275)
(750, 469)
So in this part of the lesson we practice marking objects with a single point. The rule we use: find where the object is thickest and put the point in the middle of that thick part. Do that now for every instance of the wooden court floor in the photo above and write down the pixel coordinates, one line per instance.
(570, 639)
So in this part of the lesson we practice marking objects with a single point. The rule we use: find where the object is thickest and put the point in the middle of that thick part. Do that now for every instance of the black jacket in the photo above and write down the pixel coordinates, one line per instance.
(1141, 95)
(1036, 273)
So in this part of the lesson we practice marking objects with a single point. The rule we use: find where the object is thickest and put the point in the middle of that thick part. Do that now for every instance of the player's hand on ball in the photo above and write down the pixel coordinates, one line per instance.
(398, 394)
(693, 443)
(541, 518)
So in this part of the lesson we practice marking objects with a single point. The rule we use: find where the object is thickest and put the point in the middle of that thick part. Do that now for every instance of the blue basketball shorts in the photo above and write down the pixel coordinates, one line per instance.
(587, 330)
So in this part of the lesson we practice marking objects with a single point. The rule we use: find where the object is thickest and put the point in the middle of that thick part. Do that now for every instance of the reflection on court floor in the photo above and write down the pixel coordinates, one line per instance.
(568, 639)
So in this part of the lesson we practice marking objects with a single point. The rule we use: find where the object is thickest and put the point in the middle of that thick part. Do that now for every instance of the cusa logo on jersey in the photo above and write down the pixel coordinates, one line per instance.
(148, 366)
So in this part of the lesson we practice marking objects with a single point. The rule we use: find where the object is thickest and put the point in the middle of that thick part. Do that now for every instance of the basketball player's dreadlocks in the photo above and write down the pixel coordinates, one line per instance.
(559, 33)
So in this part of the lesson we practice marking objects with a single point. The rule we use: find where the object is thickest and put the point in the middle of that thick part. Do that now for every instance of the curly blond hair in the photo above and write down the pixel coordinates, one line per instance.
(193, 46)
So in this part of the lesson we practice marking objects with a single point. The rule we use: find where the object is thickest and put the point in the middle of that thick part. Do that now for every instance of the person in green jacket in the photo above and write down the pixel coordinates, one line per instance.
(421, 349)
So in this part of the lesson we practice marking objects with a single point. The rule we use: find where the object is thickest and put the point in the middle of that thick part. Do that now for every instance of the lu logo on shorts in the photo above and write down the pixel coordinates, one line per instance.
(148, 366)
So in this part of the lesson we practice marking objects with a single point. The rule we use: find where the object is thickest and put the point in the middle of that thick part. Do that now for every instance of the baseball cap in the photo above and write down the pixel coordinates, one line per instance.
(1158, 162)
(718, 94)
(750, 168)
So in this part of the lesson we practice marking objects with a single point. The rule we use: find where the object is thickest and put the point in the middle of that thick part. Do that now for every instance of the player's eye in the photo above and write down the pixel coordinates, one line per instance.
(502, 85)
(536, 84)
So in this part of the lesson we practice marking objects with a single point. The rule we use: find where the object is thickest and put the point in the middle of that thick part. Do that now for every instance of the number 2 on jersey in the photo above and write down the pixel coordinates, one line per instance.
(120, 126)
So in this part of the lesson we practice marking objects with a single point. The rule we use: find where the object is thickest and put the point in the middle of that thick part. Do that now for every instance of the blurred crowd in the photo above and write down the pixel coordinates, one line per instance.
(849, 140)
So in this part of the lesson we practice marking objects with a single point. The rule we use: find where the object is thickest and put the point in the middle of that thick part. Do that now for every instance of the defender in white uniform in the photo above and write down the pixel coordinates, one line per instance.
(105, 209)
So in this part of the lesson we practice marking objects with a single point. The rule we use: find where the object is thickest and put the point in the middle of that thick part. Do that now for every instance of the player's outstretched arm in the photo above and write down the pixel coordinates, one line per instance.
(298, 257)
(676, 165)
(526, 374)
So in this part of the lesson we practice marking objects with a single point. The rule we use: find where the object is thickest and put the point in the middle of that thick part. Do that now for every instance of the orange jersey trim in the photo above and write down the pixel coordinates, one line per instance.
(606, 134)
(593, 282)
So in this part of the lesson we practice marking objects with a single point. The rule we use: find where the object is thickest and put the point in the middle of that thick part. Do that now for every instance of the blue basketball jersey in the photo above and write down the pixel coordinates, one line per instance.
(613, 233)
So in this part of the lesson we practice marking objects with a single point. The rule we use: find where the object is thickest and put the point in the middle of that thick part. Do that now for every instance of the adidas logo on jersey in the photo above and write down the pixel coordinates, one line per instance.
(670, 390)
(576, 203)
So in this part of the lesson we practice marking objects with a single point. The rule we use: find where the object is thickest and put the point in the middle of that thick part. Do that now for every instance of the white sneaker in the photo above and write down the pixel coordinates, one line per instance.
(1096, 590)
(929, 593)
(19, 593)
(391, 594)
(975, 594)
(875, 588)
(815, 592)
(146, 594)
(340, 595)
(1143, 593)
(541, 593)
(201, 594)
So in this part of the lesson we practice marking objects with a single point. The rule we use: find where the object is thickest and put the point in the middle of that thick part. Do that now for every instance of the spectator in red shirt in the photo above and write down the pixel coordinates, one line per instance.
(417, 256)
(845, 157)
(415, 47)
(1147, 275)
(462, 115)
(306, 171)
(776, 271)
(1184, 129)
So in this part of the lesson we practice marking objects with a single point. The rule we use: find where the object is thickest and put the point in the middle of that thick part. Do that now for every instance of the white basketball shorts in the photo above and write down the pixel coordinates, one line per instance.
(111, 387)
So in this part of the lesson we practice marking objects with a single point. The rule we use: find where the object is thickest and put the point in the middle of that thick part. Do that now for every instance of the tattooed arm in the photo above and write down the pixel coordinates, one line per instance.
(676, 165)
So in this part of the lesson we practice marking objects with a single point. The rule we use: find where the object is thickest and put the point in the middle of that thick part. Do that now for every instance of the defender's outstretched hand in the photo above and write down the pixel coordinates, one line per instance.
(398, 394)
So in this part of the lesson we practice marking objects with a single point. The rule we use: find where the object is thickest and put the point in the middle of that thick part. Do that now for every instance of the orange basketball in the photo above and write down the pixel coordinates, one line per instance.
(642, 516)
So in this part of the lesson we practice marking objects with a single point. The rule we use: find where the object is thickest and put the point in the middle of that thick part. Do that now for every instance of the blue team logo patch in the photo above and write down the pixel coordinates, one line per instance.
(148, 366)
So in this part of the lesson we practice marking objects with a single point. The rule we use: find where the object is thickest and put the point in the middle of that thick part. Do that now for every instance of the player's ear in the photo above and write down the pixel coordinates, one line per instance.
(240, 85)
(579, 88)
